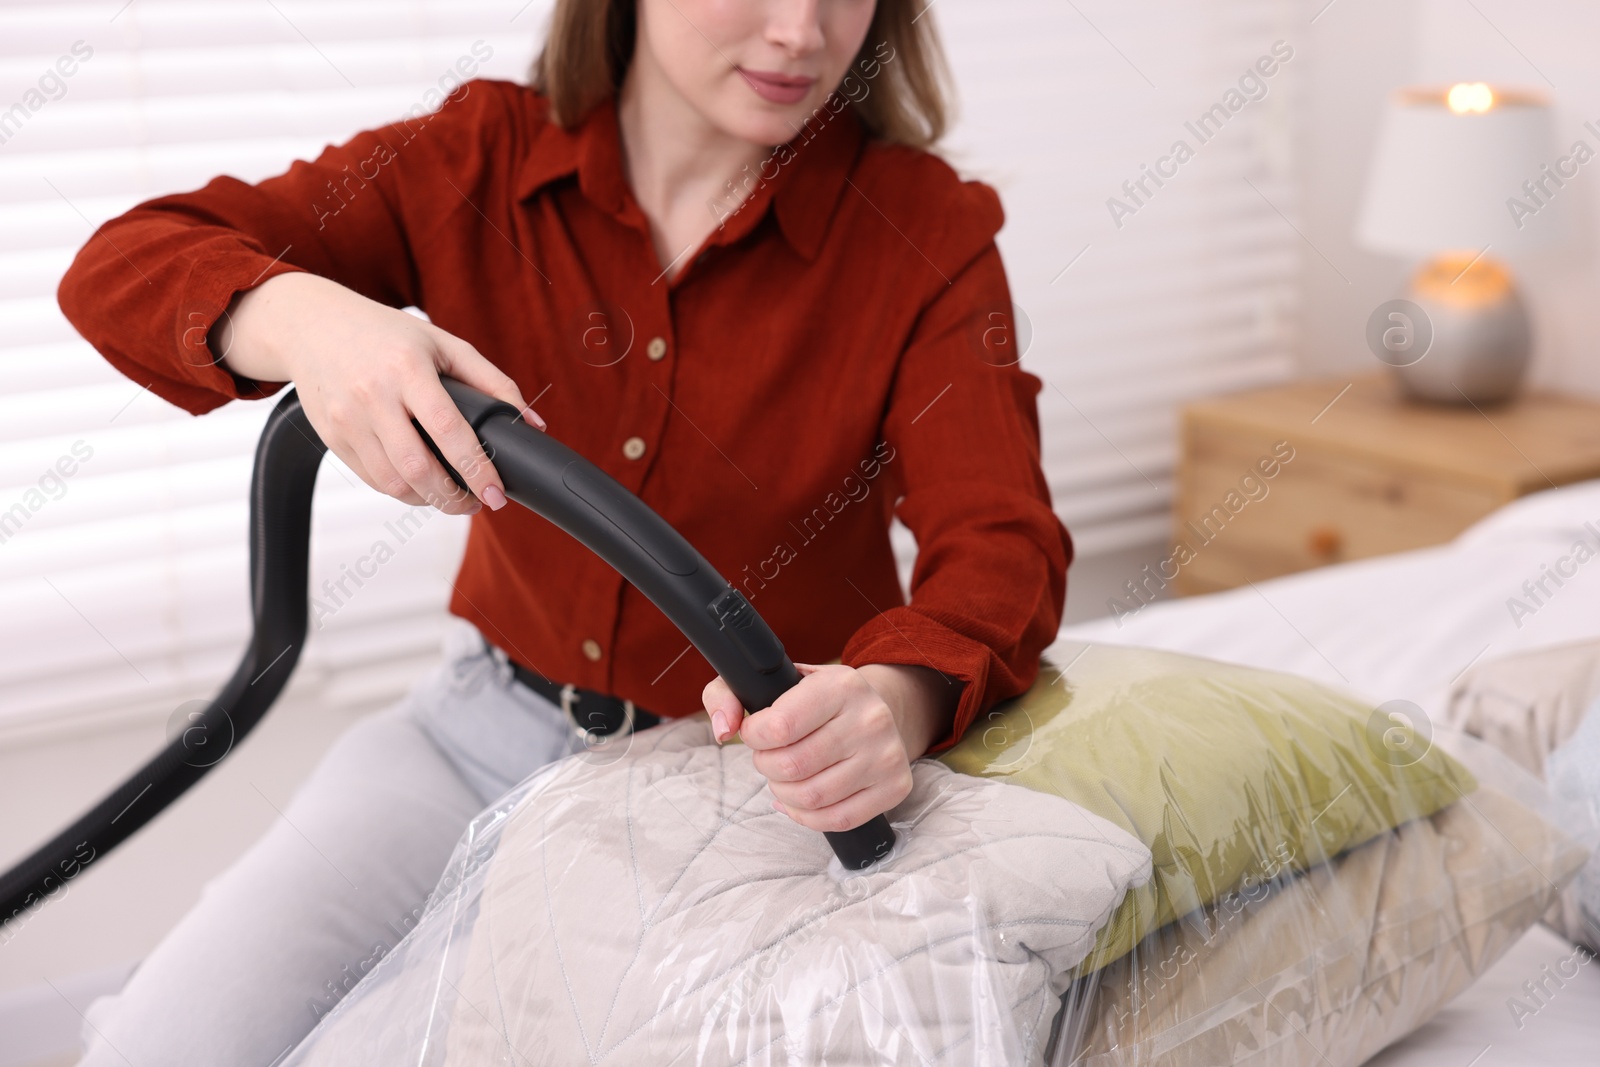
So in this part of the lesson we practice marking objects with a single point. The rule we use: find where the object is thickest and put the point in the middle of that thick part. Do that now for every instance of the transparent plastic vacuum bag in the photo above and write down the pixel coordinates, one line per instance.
(1574, 774)
(653, 908)
(1147, 858)
(1332, 964)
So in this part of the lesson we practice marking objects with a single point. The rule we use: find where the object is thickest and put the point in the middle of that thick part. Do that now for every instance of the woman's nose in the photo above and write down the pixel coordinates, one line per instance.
(796, 26)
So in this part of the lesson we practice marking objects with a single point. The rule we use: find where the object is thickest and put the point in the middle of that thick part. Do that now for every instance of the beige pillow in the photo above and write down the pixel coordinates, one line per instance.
(654, 909)
(1337, 963)
(1528, 705)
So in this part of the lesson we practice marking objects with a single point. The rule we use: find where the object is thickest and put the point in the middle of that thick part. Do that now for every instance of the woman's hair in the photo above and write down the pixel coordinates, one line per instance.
(899, 75)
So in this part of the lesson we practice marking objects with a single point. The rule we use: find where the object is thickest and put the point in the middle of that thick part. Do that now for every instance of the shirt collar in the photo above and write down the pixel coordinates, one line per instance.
(801, 180)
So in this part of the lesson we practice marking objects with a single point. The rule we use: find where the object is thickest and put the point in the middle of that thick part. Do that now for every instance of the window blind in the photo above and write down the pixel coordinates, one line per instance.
(124, 582)
(123, 560)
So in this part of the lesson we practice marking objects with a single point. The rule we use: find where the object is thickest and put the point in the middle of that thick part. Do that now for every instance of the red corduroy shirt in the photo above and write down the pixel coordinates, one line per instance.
(825, 359)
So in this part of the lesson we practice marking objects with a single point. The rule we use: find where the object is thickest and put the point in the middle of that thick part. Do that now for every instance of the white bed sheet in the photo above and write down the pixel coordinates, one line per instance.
(1396, 627)
(1405, 627)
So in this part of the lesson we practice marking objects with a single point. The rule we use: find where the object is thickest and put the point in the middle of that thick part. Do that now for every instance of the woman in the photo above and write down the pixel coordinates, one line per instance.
(776, 349)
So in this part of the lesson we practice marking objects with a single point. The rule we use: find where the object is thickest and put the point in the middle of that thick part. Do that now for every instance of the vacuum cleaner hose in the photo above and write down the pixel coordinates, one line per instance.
(539, 473)
(286, 462)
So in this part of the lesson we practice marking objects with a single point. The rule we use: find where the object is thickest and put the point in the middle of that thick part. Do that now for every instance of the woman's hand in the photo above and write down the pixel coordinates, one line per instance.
(836, 749)
(364, 371)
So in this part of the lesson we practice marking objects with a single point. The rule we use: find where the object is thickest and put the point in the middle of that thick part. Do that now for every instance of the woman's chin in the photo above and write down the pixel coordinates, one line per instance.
(760, 122)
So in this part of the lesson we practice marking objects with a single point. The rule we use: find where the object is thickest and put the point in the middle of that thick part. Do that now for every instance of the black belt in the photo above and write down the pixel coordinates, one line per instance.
(592, 713)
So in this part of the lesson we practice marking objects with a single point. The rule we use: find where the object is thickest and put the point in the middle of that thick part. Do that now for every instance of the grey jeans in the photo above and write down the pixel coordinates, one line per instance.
(279, 937)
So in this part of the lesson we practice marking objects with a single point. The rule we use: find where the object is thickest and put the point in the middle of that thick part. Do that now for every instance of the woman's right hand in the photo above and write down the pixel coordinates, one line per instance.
(364, 371)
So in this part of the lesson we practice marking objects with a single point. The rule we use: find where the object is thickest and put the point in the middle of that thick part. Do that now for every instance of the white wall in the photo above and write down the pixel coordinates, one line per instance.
(1363, 49)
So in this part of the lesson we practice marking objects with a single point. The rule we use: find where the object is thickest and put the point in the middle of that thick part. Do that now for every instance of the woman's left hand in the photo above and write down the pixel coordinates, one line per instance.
(836, 749)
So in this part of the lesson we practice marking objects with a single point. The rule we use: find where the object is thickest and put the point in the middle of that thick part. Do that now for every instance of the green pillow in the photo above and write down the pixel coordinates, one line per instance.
(1232, 776)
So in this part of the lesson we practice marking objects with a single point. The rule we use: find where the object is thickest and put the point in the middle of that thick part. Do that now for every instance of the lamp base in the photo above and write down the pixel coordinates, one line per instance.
(1480, 333)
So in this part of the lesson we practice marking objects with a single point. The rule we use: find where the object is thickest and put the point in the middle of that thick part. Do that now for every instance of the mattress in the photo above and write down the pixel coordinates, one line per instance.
(1405, 627)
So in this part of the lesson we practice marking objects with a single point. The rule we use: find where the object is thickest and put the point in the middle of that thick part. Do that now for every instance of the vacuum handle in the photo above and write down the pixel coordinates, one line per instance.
(552, 480)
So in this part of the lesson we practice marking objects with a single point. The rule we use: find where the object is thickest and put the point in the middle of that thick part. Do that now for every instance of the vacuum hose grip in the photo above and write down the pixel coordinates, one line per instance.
(547, 477)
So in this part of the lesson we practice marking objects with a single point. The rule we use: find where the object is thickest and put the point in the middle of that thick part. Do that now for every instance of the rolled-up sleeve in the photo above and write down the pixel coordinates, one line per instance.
(989, 584)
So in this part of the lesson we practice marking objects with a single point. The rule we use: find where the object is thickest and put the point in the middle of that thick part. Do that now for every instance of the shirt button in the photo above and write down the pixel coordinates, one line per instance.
(591, 648)
(656, 349)
(633, 447)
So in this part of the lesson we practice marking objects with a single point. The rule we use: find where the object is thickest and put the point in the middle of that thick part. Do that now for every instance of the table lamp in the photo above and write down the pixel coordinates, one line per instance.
(1461, 174)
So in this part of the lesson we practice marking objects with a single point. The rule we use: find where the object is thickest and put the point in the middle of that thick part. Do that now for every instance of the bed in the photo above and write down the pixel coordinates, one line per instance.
(1405, 627)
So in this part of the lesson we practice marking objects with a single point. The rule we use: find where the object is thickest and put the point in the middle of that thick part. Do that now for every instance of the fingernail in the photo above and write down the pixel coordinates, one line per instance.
(533, 417)
(719, 726)
(494, 497)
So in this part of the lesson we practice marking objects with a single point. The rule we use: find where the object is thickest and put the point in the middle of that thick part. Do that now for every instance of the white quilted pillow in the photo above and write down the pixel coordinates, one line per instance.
(656, 910)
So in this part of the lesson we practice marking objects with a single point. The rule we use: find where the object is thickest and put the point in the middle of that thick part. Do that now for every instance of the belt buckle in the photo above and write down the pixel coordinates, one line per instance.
(592, 738)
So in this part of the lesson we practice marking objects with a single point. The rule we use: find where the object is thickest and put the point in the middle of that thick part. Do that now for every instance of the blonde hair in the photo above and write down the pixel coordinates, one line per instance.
(591, 42)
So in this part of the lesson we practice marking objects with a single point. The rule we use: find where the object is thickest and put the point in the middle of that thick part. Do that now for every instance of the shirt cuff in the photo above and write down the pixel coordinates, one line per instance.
(904, 635)
(210, 288)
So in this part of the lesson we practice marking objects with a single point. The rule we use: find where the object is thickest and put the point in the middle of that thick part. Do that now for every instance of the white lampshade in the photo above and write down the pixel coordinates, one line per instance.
(1443, 180)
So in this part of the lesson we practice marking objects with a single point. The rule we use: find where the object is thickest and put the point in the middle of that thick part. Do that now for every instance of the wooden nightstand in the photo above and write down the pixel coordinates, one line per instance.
(1368, 474)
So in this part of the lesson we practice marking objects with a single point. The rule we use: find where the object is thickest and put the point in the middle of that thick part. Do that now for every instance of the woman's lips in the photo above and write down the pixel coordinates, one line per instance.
(777, 88)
